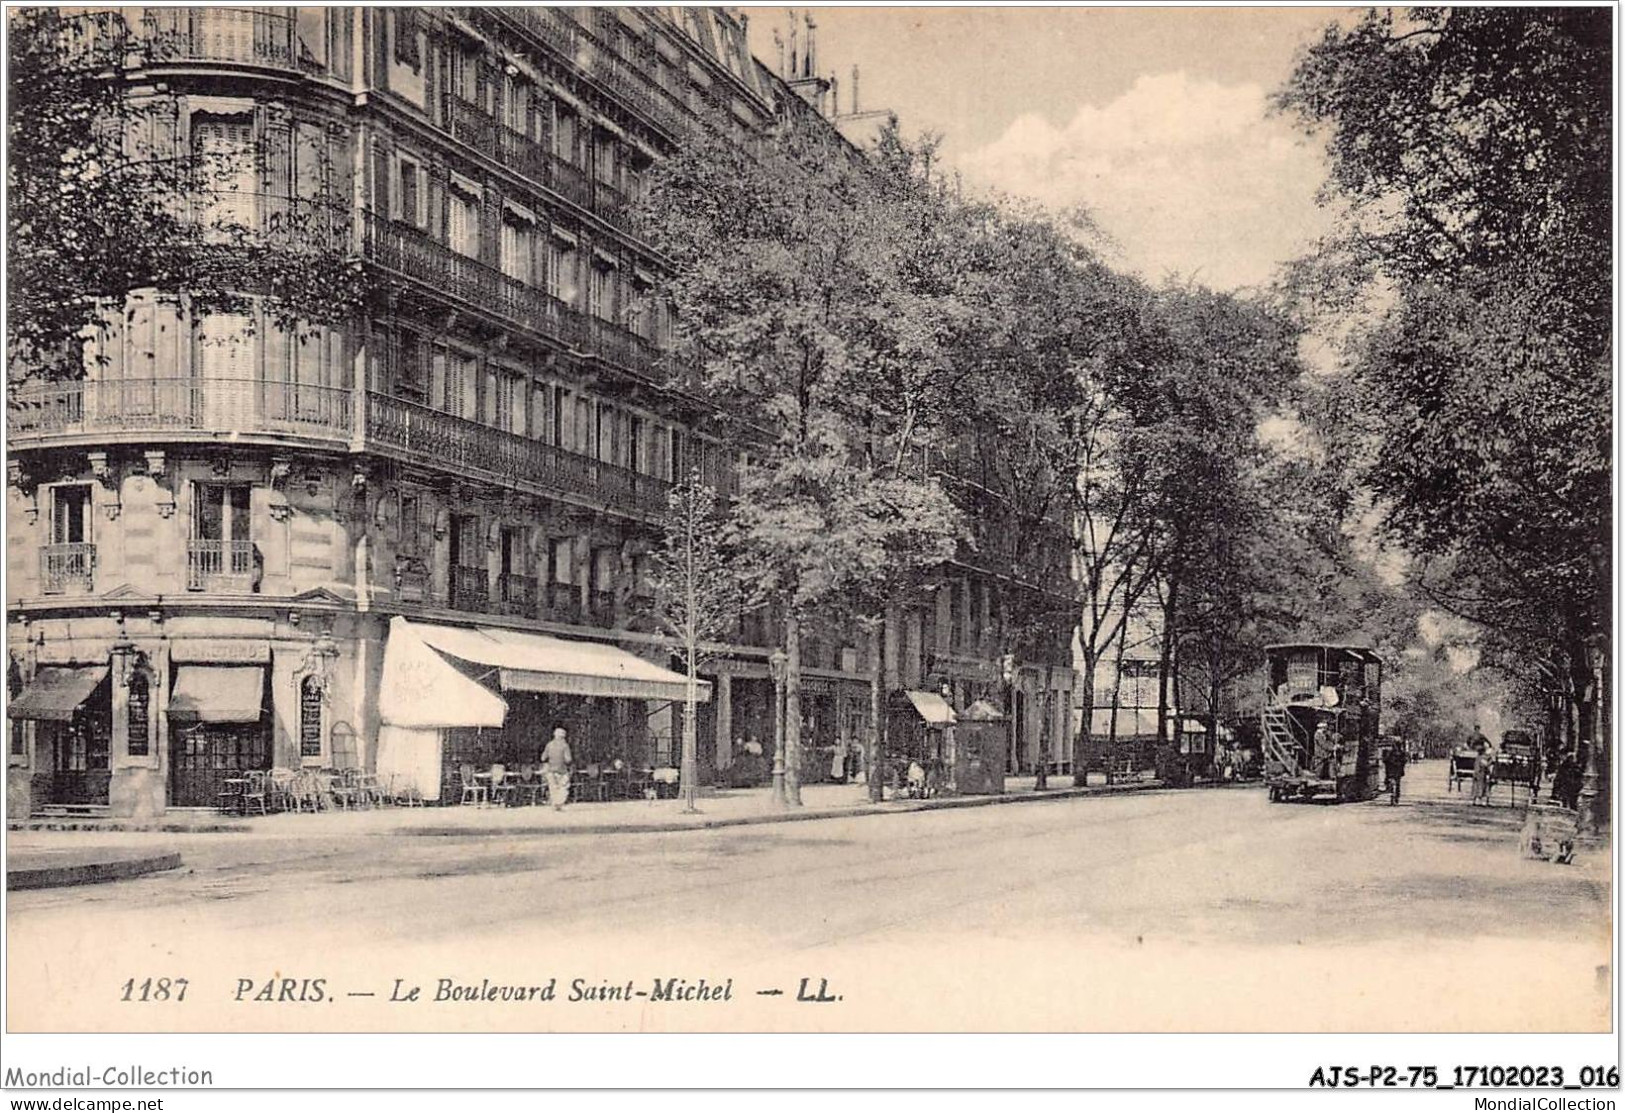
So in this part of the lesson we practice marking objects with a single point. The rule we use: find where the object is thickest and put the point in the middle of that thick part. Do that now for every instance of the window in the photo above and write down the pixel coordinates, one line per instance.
(603, 570)
(310, 717)
(462, 385)
(555, 268)
(221, 512)
(227, 176)
(599, 302)
(676, 445)
(407, 50)
(564, 561)
(634, 444)
(221, 555)
(513, 552)
(564, 132)
(584, 442)
(604, 158)
(137, 714)
(493, 411)
(411, 367)
(409, 196)
(518, 252)
(463, 211)
(541, 412)
(515, 104)
(409, 542)
(465, 541)
(312, 28)
(518, 404)
(606, 433)
(70, 514)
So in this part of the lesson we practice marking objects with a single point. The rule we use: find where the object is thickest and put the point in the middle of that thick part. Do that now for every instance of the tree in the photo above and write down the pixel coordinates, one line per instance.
(698, 596)
(786, 283)
(104, 202)
(1473, 149)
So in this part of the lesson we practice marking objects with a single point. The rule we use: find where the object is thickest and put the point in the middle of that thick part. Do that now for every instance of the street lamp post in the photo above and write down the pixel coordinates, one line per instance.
(776, 666)
(1007, 666)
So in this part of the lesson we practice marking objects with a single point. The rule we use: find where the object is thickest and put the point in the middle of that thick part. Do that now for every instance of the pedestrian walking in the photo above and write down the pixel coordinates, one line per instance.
(557, 761)
(1566, 782)
(1393, 764)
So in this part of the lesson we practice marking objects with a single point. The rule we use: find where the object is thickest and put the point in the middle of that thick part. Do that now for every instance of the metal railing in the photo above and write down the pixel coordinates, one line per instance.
(405, 429)
(470, 589)
(516, 594)
(162, 405)
(69, 567)
(220, 565)
(564, 602)
(240, 35)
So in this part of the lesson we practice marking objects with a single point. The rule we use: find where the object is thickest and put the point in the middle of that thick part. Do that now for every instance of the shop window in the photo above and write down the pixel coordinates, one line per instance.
(310, 717)
(138, 714)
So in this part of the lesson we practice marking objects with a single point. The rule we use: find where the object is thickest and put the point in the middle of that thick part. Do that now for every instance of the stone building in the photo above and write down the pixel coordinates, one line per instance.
(230, 544)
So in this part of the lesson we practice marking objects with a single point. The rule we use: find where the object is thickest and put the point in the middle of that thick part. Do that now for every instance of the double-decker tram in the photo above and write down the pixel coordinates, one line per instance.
(1321, 722)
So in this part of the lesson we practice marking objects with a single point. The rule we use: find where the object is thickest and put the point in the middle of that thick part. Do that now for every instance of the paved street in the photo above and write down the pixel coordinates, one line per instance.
(1160, 910)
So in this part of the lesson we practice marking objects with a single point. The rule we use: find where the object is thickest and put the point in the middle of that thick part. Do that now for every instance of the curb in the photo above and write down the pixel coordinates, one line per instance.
(612, 828)
(907, 808)
(88, 873)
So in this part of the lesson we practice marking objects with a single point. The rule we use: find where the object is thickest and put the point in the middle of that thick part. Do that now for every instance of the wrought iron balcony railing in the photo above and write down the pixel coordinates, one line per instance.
(517, 594)
(470, 589)
(68, 567)
(220, 565)
(237, 35)
(86, 411)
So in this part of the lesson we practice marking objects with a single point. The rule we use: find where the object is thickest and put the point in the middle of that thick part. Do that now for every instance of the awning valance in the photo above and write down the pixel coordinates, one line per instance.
(217, 694)
(932, 708)
(56, 693)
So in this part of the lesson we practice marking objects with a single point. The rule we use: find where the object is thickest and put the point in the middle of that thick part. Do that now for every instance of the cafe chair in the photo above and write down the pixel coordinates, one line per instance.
(473, 792)
(281, 787)
(254, 791)
(502, 789)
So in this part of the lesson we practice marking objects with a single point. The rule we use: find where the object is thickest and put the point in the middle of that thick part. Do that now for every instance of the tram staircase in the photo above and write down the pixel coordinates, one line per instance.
(1280, 746)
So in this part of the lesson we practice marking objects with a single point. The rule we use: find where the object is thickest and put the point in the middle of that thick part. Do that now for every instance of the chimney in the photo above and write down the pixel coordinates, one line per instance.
(795, 47)
(855, 109)
(812, 47)
(778, 44)
(834, 96)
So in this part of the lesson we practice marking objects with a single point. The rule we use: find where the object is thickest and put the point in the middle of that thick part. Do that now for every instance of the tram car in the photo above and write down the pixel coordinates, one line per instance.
(1321, 722)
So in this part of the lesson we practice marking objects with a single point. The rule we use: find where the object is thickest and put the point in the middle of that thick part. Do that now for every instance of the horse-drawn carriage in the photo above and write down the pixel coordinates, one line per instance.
(1320, 722)
(1517, 762)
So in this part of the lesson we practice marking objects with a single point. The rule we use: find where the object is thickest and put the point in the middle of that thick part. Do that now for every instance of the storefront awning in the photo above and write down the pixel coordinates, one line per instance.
(518, 662)
(422, 690)
(217, 694)
(932, 708)
(56, 693)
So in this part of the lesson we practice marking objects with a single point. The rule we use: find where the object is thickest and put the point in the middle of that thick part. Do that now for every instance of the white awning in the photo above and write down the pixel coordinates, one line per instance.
(538, 663)
(932, 708)
(421, 689)
(218, 694)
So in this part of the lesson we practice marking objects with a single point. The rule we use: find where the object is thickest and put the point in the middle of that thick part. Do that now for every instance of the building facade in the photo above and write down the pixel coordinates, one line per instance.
(212, 534)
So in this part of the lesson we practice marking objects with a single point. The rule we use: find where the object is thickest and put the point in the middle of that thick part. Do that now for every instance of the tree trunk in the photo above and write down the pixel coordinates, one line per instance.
(877, 720)
(689, 771)
(792, 709)
(1164, 668)
(1080, 769)
(1117, 700)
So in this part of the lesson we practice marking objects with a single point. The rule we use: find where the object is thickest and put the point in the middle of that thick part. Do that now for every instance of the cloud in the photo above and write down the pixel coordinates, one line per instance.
(1189, 176)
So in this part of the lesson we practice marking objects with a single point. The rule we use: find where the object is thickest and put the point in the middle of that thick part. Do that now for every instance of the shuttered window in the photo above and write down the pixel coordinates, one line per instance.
(227, 178)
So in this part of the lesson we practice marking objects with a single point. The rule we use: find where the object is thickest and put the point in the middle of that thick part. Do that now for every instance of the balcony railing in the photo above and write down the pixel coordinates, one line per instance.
(68, 568)
(220, 565)
(517, 594)
(412, 579)
(205, 405)
(237, 35)
(470, 123)
(564, 602)
(87, 411)
(470, 589)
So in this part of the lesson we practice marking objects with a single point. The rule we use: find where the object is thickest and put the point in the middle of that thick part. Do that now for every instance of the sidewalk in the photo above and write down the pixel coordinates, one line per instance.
(728, 808)
(54, 867)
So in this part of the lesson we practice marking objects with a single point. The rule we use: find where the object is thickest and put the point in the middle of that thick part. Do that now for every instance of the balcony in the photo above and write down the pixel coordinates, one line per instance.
(201, 410)
(238, 36)
(603, 606)
(471, 124)
(412, 254)
(69, 568)
(412, 579)
(89, 410)
(564, 602)
(225, 566)
(470, 589)
(516, 594)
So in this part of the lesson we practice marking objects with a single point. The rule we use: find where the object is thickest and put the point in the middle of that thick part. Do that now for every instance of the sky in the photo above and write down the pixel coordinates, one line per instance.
(1156, 119)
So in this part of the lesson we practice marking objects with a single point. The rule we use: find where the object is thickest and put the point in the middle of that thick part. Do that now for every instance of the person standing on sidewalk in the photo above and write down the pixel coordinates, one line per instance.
(556, 762)
(1393, 761)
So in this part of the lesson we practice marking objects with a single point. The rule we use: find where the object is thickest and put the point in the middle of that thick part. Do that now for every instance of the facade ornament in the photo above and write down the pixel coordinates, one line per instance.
(166, 507)
(358, 479)
(111, 510)
(278, 507)
(221, 465)
(155, 462)
(99, 468)
(280, 469)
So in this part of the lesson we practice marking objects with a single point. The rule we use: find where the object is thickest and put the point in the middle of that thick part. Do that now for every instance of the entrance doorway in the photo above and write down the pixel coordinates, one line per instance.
(204, 756)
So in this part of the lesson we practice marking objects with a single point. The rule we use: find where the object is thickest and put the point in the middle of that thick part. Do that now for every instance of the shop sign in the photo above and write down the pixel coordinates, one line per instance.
(220, 651)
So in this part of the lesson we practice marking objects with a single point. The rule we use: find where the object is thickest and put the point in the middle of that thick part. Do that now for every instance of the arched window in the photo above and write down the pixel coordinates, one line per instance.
(137, 714)
(310, 717)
